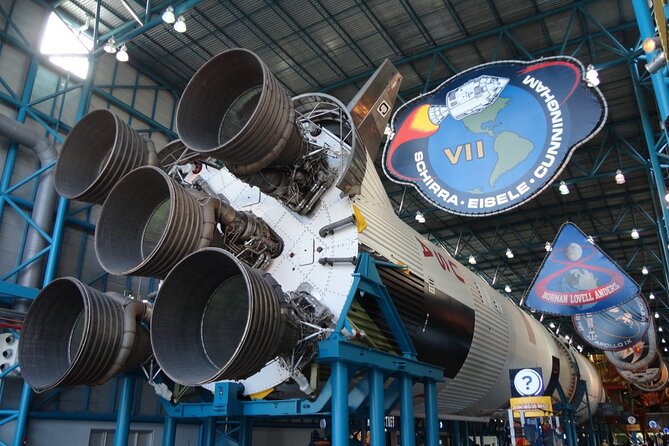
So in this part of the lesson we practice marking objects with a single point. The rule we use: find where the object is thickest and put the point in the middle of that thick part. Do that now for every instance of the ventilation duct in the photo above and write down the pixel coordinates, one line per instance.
(45, 199)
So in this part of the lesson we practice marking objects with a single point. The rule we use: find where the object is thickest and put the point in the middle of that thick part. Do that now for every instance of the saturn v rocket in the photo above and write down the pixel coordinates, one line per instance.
(256, 257)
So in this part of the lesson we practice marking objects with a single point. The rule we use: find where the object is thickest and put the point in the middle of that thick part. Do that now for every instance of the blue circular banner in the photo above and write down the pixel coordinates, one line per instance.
(615, 329)
(491, 137)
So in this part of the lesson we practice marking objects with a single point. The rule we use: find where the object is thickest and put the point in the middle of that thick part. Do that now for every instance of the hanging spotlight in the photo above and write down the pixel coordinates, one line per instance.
(634, 234)
(651, 44)
(666, 197)
(644, 270)
(168, 15)
(420, 218)
(180, 25)
(579, 348)
(566, 337)
(564, 189)
(509, 253)
(122, 55)
(472, 260)
(664, 341)
(660, 329)
(552, 325)
(548, 247)
(658, 62)
(591, 240)
(592, 76)
(507, 288)
(620, 178)
(657, 315)
(651, 296)
(665, 349)
(110, 46)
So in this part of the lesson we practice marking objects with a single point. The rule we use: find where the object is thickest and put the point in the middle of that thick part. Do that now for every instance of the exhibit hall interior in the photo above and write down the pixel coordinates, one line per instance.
(334, 223)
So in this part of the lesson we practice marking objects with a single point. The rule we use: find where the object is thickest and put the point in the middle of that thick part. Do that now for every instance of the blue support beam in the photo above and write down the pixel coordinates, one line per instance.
(124, 411)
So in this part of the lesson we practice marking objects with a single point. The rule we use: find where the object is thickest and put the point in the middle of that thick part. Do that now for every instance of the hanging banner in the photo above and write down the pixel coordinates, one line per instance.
(577, 277)
(636, 357)
(617, 328)
(492, 137)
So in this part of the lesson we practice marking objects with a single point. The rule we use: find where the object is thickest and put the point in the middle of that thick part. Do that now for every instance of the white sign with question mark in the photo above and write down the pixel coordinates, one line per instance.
(528, 382)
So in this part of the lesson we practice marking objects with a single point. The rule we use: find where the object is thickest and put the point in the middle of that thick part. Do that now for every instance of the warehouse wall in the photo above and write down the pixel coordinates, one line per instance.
(78, 257)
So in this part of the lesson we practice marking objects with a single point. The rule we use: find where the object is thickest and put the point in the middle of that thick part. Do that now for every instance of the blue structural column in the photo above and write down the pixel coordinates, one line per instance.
(661, 90)
(169, 431)
(431, 413)
(124, 411)
(406, 411)
(456, 433)
(208, 431)
(246, 432)
(26, 393)
(376, 412)
(339, 404)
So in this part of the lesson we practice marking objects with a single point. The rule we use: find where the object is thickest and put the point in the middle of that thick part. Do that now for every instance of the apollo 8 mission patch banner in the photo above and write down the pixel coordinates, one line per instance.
(577, 277)
(492, 137)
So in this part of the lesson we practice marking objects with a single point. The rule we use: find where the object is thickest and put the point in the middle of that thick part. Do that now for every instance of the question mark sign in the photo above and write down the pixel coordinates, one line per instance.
(528, 381)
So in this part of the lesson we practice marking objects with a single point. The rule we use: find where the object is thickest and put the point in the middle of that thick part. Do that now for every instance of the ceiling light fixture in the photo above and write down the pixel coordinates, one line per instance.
(592, 76)
(657, 315)
(509, 253)
(122, 55)
(507, 288)
(548, 247)
(591, 240)
(472, 260)
(579, 348)
(420, 218)
(634, 234)
(566, 337)
(552, 325)
(660, 329)
(651, 44)
(564, 189)
(620, 178)
(651, 296)
(644, 270)
(180, 25)
(168, 15)
(110, 46)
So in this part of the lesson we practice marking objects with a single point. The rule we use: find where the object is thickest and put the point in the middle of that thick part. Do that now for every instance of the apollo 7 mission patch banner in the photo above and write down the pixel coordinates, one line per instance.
(492, 137)
(577, 277)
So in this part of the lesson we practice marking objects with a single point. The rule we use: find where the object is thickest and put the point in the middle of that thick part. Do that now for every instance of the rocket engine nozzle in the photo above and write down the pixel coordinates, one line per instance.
(74, 334)
(235, 110)
(99, 150)
(150, 222)
(216, 318)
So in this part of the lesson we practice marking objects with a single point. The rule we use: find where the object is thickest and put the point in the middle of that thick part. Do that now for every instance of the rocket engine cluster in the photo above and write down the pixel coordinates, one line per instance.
(256, 258)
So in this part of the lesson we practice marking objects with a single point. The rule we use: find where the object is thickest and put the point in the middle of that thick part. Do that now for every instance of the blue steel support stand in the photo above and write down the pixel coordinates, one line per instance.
(169, 431)
(54, 253)
(345, 359)
(376, 410)
(661, 90)
(246, 432)
(124, 411)
(456, 433)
